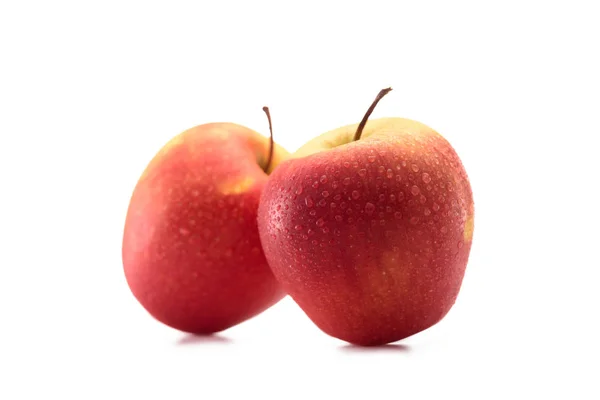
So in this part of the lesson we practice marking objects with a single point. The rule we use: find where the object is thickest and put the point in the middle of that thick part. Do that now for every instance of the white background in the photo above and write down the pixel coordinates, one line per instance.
(89, 93)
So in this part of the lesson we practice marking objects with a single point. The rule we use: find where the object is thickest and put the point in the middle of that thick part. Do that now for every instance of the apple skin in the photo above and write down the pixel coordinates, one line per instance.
(191, 252)
(370, 238)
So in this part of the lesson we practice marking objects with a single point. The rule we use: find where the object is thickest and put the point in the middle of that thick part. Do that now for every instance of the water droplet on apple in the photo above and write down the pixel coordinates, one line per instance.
(436, 207)
(347, 164)
(299, 190)
(325, 230)
(339, 218)
(390, 173)
(415, 167)
(422, 199)
(443, 229)
(334, 184)
(343, 205)
(298, 227)
(346, 181)
(325, 193)
(371, 158)
(320, 222)
(313, 213)
(309, 201)
(310, 232)
(323, 179)
(355, 194)
(398, 215)
(460, 244)
(381, 169)
(332, 206)
(315, 242)
(322, 203)
(369, 208)
(414, 220)
(398, 178)
(315, 184)
(426, 211)
(426, 177)
(415, 190)
(362, 172)
(337, 197)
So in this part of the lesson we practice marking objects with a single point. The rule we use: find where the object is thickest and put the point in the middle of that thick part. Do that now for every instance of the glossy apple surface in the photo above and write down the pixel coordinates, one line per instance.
(191, 250)
(371, 237)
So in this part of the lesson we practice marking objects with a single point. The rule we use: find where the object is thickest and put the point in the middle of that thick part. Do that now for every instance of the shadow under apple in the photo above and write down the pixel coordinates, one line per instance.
(192, 339)
(386, 348)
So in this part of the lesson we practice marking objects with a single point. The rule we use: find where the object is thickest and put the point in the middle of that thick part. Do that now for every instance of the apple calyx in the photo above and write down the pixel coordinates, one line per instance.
(362, 124)
(271, 141)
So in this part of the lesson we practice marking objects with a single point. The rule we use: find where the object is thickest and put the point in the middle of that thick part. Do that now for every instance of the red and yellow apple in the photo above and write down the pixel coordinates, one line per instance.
(191, 252)
(368, 228)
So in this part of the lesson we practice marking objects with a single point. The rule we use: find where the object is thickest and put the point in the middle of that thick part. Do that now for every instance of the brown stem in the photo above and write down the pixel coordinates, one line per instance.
(362, 124)
(271, 142)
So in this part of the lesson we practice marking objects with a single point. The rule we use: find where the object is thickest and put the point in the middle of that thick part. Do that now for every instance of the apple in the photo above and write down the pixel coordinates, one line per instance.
(368, 228)
(191, 252)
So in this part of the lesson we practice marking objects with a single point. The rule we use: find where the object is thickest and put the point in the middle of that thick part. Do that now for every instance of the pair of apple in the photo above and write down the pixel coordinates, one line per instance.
(367, 227)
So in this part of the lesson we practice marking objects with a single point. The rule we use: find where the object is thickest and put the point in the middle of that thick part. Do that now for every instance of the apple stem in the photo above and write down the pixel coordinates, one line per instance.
(271, 141)
(362, 124)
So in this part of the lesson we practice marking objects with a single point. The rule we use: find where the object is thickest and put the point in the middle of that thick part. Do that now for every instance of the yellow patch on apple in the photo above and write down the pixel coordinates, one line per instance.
(468, 232)
(237, 187)
(220, 133)
(174, 142)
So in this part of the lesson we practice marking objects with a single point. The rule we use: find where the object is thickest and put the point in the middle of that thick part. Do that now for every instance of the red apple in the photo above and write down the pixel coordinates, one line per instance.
(369, 231)
(191, 251)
